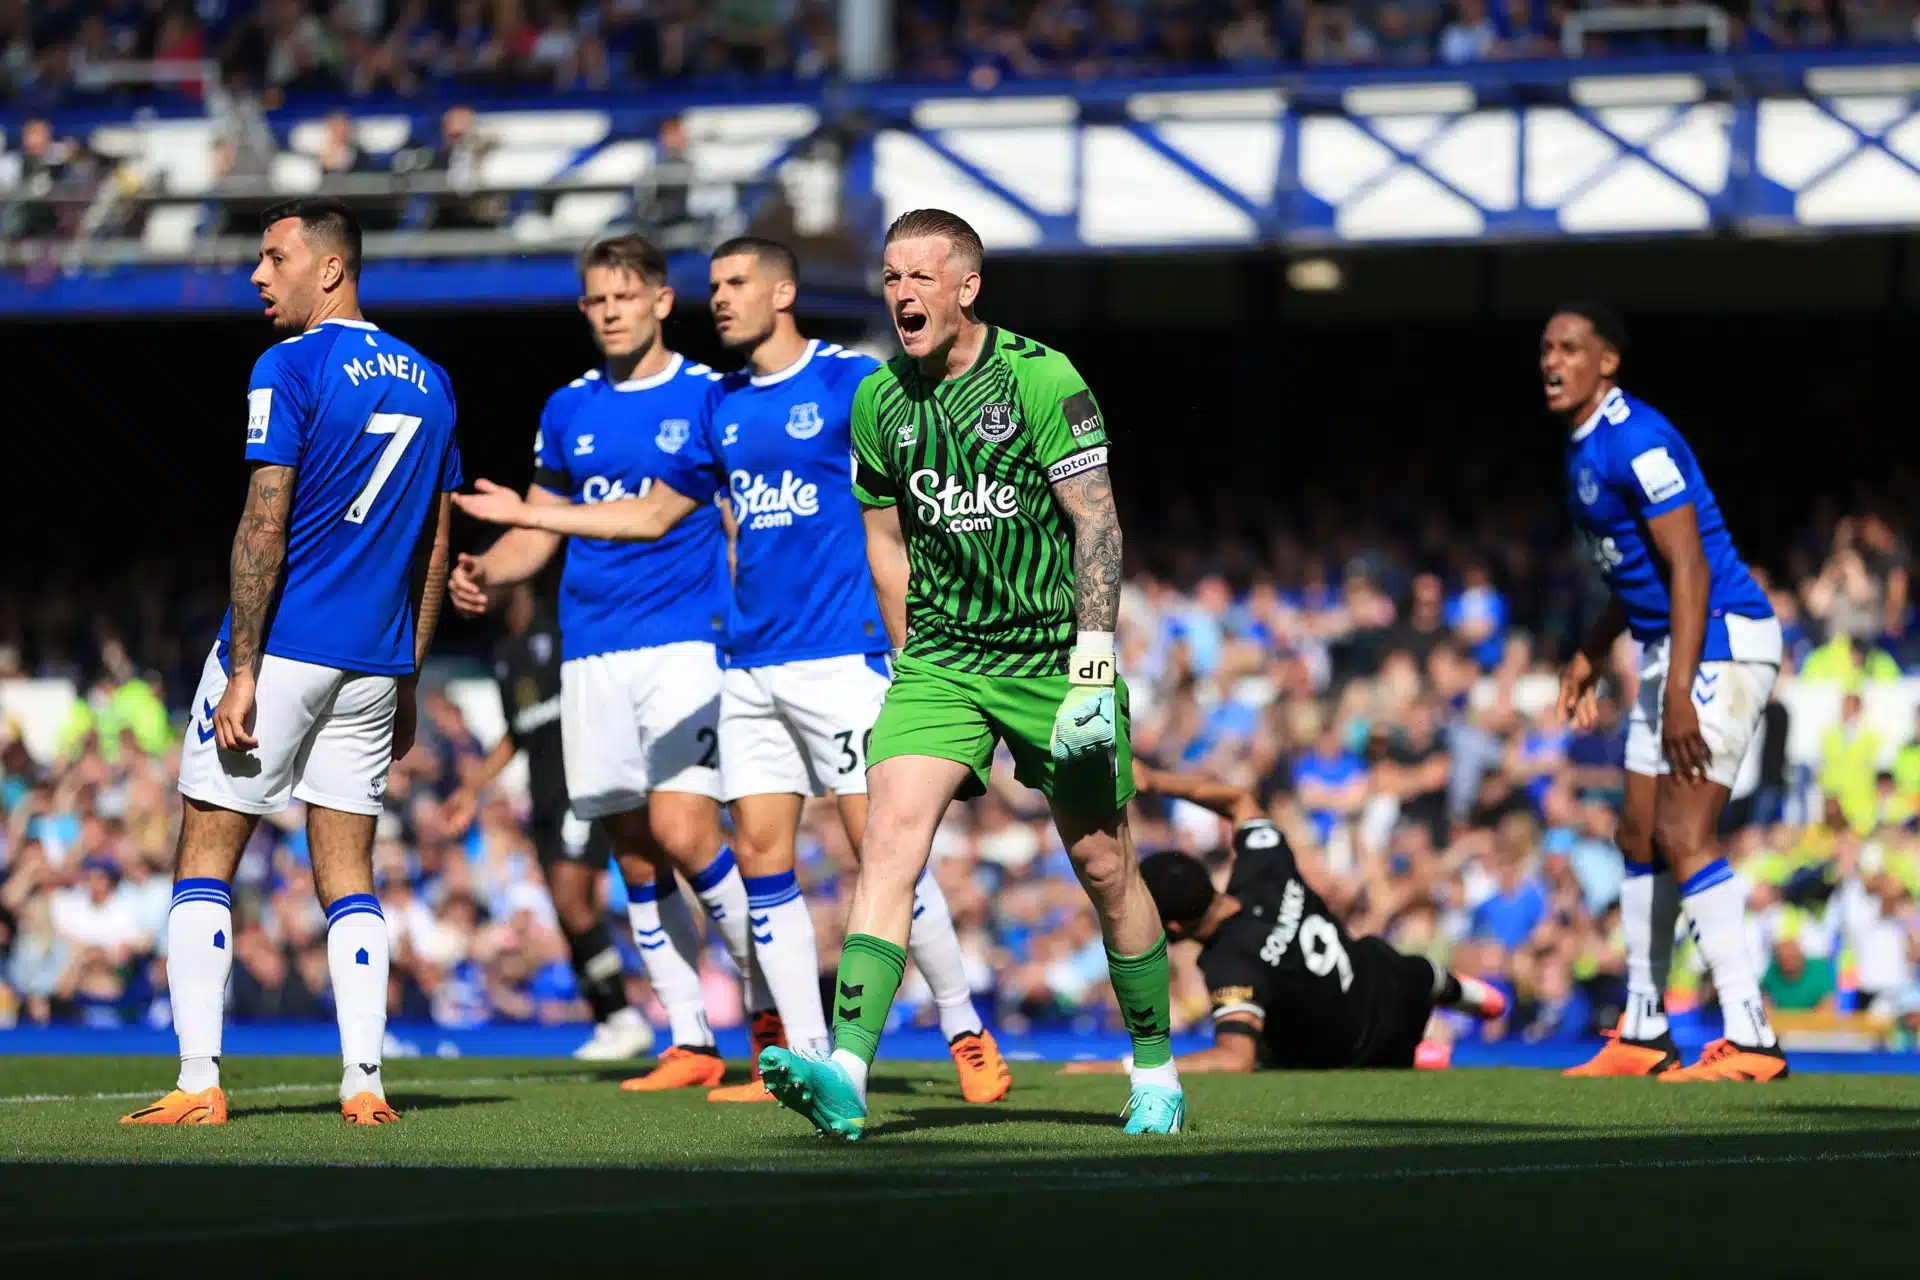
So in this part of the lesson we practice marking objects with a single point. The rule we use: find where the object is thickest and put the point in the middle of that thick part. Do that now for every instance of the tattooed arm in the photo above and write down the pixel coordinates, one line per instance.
(259, 559)
(1087, 498)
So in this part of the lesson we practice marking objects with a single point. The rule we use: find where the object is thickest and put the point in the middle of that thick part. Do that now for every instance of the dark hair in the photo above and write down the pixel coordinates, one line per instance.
(626, 253)
(776, 255)
(1606, 324)
(938, 222)
(1180, 886)
(325, 220)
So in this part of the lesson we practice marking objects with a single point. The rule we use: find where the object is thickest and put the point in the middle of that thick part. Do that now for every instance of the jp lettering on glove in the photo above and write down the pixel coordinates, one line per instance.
(1084, 725)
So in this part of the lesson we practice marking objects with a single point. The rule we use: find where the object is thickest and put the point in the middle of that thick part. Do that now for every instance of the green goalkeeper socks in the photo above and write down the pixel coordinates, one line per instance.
(870, 972)
(1140, 984)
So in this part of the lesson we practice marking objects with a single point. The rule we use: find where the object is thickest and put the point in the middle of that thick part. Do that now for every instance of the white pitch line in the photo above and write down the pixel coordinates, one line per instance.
(248, 1091)
(984, 1183)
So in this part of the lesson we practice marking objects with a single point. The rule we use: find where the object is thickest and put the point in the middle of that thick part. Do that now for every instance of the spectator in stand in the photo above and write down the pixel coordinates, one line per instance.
(1405, 33)
(752, 34)
(1797, 983)
(1244, 41)
(1470, 36)
(1848, 661)
(1518, 903)
(1523, 31)
(1425, 626)
(1335, 36)
(43, 167)
(340, 153)
(1793, 24)
(1849, 763)
(1478, 616)
(458, 159)
(1120, 41)
(662, 203)
(1331, 783)
(297, 49)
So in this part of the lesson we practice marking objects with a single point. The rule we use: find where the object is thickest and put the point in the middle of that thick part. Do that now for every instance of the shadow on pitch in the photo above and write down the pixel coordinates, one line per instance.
(1363, 1124)
(926, 1119)
(738, 1075)
(1904, 1117)
(404, 1103)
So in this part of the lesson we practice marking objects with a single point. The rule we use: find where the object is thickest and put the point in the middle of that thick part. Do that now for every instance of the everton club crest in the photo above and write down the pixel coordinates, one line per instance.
(996, 422)
(804, 421)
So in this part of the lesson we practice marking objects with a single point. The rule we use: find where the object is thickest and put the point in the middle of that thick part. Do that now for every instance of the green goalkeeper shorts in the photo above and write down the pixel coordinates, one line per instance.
(953, 715)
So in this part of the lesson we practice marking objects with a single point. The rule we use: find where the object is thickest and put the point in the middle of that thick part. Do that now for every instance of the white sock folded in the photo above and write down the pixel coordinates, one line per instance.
(357, 960)
(724, 894)
(1717, 901)
(788, 958)
(935, 948)
(199, 959)
(1649, 906)
(669, 943)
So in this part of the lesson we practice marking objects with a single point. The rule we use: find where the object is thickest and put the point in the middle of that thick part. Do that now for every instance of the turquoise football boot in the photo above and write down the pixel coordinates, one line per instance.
(817, 1088)
(1154, 1108)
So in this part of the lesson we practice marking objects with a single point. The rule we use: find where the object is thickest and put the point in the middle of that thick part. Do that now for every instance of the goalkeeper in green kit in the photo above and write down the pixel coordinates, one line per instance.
(980, 458)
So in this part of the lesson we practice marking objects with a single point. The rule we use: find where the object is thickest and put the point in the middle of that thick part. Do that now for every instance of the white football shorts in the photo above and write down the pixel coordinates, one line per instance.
(799, 728)
(326, 738)
(1730, 698)
(640, 721)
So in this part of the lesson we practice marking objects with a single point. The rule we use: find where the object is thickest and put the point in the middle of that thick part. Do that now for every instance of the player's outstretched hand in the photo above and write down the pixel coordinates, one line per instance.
(467, 584)
(496, 504)
(1680, 740)
(233, 718)
(1579, 704)
(457, 814)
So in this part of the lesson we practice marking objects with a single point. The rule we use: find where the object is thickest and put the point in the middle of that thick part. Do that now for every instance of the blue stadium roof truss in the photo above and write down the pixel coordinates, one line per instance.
(1544, 151)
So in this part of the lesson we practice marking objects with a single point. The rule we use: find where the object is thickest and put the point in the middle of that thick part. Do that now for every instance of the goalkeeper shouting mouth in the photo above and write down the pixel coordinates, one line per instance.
(981, 459)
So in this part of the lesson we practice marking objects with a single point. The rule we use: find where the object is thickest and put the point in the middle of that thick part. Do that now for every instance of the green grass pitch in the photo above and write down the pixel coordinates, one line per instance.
(503, 1165)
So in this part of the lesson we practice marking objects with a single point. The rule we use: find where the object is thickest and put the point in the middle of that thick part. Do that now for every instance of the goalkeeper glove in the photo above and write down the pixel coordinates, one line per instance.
(1084, 725)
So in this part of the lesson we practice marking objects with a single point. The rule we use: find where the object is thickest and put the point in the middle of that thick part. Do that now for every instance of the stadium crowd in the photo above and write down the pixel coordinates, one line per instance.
(59, 50)
(1387, 697)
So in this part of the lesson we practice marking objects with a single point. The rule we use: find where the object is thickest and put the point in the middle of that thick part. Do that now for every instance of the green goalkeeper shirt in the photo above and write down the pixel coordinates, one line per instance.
(971, 461)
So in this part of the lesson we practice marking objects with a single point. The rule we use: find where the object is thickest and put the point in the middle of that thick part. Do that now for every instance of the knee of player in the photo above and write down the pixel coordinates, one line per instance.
(1635, 840)
(890, 838)
(761, 850)
(1681, 840)
(684, 838)
(1104, 867)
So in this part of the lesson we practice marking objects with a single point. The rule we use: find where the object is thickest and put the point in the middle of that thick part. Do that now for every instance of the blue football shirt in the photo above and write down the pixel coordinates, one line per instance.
(601, 440)
(780, 447)
(1627, 465)
(368, 424)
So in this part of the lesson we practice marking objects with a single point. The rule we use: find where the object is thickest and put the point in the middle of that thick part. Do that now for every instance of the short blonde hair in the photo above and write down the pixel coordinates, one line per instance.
(957, 231)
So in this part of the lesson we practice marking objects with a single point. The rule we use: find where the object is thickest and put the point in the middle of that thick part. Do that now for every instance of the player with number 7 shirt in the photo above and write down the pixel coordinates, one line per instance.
(337, 569)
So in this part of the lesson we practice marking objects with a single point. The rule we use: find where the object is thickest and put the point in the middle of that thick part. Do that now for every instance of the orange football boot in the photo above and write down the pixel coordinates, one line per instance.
(367, 1107)
(209, 1106)
(746, 1091)
(1725, 1060)
(680, 1068)
(1432, 1055)
(766, 1031)
(1623, 1057)
(983, 1072)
